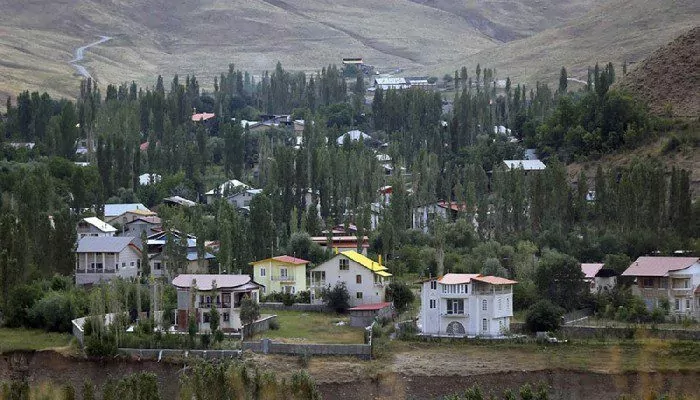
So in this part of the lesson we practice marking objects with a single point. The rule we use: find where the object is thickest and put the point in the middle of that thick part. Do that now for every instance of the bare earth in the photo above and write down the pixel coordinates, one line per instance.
(526, 39)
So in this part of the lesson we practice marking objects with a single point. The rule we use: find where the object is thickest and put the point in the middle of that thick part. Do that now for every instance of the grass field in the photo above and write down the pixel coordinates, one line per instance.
(300, 327)
(31, 339)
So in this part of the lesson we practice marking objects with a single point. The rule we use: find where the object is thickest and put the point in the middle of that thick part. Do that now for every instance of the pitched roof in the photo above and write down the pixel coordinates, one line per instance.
(207, 281)
(591, 269)
(495, 280)
(354, 136)
(283, 259)
(527, 165)
(180, 200)
(153, 220)
(370, 307)
(113, 210)
(192, 256)
(658, 266)
(390, 81)
(365, 262)
(233, 183)
(455, 279)
(103, 244)
(202, 117)
(100, 224)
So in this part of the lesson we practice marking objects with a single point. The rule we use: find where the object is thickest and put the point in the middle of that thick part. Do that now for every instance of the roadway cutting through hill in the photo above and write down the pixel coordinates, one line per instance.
(80, 55)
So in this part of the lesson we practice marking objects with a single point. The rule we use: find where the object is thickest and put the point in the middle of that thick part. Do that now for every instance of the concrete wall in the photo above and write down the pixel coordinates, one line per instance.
(295, 307)
(266, 346)
(157, 354)
(595, 332)
(261, 325)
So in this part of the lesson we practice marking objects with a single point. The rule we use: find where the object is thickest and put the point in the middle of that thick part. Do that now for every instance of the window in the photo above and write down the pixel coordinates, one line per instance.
(262, 272)
(226, 317)
(499, 304)
(132, 264)
(687, 304)
(508, 303)
(678, 305)
(484, 305)
(455, 306)
(433, 285)
(648, 282)
(344, 264)
(358, 279)
(283, 273)
(484, 325)
(663, 283)
(359, 295)
(206, 318)
(156, 265)
(432, 303)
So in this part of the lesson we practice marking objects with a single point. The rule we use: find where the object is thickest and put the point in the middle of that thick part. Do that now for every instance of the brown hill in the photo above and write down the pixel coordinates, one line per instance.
(669, 79)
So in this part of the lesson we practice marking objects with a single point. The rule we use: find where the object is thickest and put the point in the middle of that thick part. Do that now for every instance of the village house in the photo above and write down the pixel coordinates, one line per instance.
(599, 278)
(178, 201)
(149, 179)
(158, 257)
(423, 216)
(123, 213)
(197, 294)
(353, 136)
(386, 83)
(242, 198)
(365, 279)
(466, 305)
(675, 279)
(103, 258)
(281, 274)
(342, 243)
(229, 187)
(525, 165)
(150, 225)
(93, 226)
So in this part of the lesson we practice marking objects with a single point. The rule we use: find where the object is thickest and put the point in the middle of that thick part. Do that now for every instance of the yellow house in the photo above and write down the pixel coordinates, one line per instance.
(282, 274)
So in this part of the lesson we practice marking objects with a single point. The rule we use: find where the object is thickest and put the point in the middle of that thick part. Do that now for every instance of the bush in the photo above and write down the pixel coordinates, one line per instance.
(274, 324)
(337, 298)
(303, 297)
(543, 316)
(103, 345)
(53, 312)
(401, 295)
(287, 299)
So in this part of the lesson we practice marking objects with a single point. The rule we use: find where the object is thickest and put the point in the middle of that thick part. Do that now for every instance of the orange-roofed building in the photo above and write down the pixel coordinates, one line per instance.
(202, 117)
(281, 274)
(466, 305)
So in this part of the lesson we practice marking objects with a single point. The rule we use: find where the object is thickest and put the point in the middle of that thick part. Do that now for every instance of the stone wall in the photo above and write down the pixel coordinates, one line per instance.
(267, 346)
(631, 332)
(296, 307)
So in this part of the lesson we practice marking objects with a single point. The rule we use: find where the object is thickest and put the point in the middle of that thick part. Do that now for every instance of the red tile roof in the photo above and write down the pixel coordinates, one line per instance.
(658, 266)
(370, 307)
(284, 259)
(453, 205)
(455, 279)
(495, 280)
(202, 117)
(590, 270)
(207, 282)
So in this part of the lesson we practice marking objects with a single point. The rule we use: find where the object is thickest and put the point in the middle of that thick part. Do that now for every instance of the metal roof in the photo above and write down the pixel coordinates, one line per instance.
(354, 135)
(208, 281)
(590, 270)
(455, 279)
(113, 210)
(658, 266)
(390, 81)
(233, 183)
(283, 259)
(103, 244)
(100, 224)
(365, 262)
(527, 165)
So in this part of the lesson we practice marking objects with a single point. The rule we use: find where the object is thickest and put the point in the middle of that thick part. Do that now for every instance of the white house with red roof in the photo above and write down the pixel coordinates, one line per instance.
(676, 279)
(198, 293)
(466, 305)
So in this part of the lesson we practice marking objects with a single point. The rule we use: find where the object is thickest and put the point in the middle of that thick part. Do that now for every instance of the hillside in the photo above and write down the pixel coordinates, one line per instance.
(529, 39)
(670, 77)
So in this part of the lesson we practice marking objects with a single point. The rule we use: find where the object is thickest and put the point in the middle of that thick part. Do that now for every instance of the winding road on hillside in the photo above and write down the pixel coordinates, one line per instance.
(80, 54)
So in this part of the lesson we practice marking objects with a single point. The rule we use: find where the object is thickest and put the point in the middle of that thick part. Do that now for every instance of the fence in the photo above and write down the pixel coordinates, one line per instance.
(267, 346)
(295, 307)
(158, 354)
(577, 315)
(617, 332)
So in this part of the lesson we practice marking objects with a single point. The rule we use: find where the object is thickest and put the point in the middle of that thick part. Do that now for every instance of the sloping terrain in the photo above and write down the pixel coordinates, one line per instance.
(528, 39)
(670, 77)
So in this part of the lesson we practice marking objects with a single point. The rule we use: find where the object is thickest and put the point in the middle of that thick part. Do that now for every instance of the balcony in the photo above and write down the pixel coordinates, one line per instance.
(218, 305)
(455, 315)
(282, 278)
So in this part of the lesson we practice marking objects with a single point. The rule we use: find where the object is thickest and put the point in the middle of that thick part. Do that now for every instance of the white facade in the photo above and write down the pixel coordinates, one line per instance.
(94, 227)
(466, 305)
(364, 285)
(94, 267)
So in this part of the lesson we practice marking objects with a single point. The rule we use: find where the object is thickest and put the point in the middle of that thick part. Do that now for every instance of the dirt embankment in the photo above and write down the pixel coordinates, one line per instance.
(564, 384)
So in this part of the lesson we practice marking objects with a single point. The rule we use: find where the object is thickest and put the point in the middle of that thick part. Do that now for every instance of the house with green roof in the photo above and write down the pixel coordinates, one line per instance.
(365, 278)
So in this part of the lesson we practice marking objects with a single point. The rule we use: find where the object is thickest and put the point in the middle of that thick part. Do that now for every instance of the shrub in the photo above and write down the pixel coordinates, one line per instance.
(205, 339)
(401, 295)
(287, 299)
(337, 298)
(274, 324)
(53, 312)
(543, 316)
(218, 336)
(303, 297)
(102, 345)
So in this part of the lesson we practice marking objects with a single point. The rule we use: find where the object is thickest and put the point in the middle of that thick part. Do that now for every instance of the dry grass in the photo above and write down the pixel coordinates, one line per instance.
(31, 339)
(433, 37)
(300, 327)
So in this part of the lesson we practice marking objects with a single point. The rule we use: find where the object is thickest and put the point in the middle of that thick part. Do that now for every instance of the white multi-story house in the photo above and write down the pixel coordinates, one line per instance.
(466, 305)
(676, 279)
(366, 280)
(223, 291)
(93, 226)
(103, 258)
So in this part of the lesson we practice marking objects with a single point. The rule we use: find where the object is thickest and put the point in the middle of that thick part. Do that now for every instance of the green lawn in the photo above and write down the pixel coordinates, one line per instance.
(31, 339)
(312, 327)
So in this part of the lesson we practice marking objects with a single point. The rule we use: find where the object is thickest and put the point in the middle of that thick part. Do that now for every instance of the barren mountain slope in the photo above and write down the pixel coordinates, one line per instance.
(670, 77)
(38, 37)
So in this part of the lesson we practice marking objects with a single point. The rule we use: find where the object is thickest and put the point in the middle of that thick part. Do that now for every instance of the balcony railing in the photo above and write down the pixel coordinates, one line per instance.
(218, 305)
(316, 284)
(282, 278)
